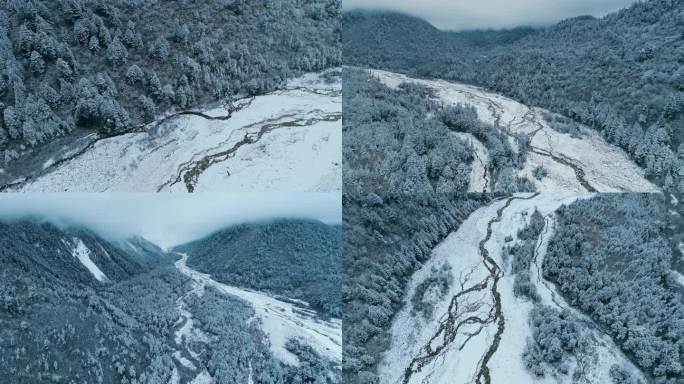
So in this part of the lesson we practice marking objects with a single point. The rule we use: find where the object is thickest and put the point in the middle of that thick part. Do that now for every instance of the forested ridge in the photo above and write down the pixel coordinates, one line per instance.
(387, 236)
(107, 66)
(58, 323)
(621, 74)
(610, 258)
(293, 258)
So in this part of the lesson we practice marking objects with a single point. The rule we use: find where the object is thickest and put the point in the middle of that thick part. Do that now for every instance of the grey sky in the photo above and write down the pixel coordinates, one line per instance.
(471, 14)
(168, 219)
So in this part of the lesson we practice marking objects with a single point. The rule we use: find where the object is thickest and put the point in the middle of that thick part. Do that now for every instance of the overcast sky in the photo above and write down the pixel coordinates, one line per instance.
(476, 14)
(168, 219)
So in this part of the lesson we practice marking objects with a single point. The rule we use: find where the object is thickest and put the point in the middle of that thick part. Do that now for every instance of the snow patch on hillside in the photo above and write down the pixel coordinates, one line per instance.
(678, 277)
(48, 163)
(82, 253)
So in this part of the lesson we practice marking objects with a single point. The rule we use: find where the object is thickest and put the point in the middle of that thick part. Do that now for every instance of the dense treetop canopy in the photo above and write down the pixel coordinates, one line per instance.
(110, 65)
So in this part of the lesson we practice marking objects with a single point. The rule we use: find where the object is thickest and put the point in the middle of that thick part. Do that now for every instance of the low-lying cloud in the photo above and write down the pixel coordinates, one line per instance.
(485, 14)
(168, 219)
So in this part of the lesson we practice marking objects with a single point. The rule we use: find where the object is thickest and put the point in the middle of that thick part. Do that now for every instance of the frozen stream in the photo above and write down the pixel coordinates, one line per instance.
(286, 140)
(480, 328)
(280, 320)
(188, 338)
(584, 164)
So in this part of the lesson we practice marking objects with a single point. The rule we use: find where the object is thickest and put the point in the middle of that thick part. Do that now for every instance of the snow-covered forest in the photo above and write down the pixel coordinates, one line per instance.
(610, 258)
(404, 140)
(387, 236)
(59, 321)
(534, 288)
(71, 66)
(77, 306)
(620, 75)
(407, 134)
(298, 259)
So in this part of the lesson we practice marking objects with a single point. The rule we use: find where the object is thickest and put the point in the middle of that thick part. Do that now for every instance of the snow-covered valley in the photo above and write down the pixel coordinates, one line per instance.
(479, 328)
(280, 320)
(587, 163)
(287, 140)
(106, 306)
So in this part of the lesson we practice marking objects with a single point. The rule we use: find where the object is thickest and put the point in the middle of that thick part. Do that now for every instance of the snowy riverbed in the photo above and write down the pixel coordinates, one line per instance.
(457, 339)
(281, 320)
(287, 140)
(587, 163)
(186, 337)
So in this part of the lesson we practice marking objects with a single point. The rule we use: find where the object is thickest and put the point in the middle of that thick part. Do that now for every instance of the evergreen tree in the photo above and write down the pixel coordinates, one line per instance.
(64, 70)
(160, 49)
(37, 63)
(148, 107)
(135, 75)
(117, 53)
(154, 86)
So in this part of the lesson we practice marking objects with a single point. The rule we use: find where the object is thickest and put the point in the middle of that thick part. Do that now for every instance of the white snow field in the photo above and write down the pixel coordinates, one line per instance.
(452, 346)
(287, 140)
(586, 164)
(281, 321)
(82, 253)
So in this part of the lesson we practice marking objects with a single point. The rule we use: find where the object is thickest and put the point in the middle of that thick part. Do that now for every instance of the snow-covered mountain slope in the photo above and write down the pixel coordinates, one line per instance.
(588, 163)
(479, 328)
(73, 254)
(287, 140)
(280, 320)
(83, 254)
(606, 352)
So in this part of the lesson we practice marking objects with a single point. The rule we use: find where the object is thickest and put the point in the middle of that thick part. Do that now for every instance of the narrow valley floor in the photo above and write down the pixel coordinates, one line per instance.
(286, 140)
(583, 163)
(280, 320)
(479, 328)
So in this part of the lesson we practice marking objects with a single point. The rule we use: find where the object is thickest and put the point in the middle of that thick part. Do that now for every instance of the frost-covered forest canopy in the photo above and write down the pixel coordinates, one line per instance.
(521, 255)
(386, 238)
(298, 259)
(241, 348)
(76, 307)
(110, 65)
(609, 262)
(403, 140)
(610, 258)
(621, 74)
(58, 323)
